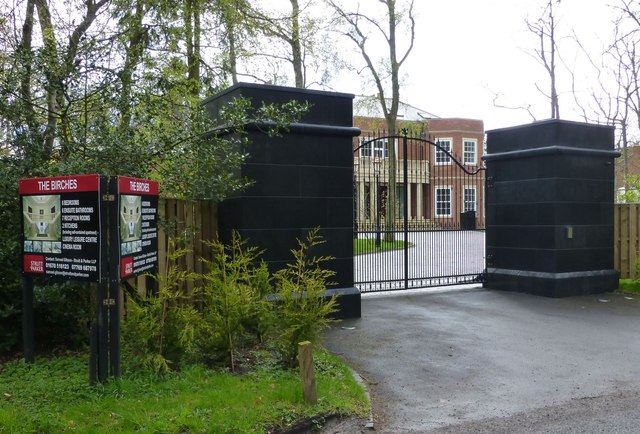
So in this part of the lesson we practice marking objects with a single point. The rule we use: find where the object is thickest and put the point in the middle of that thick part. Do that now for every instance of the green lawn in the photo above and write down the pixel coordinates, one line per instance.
(365, 245)
(629, 286)
(53, 395)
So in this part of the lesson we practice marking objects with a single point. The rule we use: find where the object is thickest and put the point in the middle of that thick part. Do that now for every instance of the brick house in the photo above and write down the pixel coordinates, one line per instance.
(439, 190)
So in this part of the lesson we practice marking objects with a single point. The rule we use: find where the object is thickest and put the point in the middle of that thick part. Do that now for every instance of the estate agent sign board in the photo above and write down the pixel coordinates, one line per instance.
(91, 228)
(61, 226)
(138, 221)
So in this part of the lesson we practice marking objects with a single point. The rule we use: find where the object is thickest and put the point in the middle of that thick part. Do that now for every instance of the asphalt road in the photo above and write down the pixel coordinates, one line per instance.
(486, 361)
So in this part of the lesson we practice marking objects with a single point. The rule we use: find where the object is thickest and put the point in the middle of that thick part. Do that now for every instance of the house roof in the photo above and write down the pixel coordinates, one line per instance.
(367, 106)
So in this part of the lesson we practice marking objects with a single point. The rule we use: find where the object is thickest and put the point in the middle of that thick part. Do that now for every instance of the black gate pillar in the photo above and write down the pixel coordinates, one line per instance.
(550, 195)
(303, 180)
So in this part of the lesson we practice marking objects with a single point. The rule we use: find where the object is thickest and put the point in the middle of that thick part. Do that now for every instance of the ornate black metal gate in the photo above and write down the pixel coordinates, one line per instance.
(418, 212)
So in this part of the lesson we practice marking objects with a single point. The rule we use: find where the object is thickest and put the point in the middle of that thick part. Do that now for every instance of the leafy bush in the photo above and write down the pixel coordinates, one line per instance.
(231, 298)
(207, 325)
(302, 311)
(154, 325)
(10, 279)
(62, 314)
(229, 311)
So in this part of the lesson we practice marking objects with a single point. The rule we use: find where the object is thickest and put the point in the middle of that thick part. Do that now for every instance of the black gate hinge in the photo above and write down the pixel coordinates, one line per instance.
(109, 197)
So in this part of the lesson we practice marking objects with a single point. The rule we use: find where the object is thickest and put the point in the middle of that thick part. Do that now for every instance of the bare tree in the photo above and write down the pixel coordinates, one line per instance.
(361, 29)
(624, 51)
(287, 29)
(230, 16)
(615, 99)
(295, 37)
(544, 28)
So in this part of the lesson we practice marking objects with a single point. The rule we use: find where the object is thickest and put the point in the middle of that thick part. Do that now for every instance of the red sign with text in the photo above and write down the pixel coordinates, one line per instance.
(60, 184)
(34, 264)
(61, 226)
(138, 225)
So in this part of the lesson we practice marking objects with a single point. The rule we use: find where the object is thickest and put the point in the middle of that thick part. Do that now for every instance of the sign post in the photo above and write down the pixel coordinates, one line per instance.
(27, 318)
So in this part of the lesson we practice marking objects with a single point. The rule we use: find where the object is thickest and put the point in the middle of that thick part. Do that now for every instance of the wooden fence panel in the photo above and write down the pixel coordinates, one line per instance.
(627, 239)
(194, 222)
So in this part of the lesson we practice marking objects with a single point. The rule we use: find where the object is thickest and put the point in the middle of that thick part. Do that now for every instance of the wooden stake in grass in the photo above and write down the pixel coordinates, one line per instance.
(307, 373)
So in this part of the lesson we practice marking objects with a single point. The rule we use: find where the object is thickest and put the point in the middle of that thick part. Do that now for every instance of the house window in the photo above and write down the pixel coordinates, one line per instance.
(367, 201)
(470, 200)
(469, 151)
(400, 201)
(443, 201)
(443, 157)
(375, 148)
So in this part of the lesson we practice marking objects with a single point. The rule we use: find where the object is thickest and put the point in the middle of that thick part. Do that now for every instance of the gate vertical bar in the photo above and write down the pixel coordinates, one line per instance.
(406, 207)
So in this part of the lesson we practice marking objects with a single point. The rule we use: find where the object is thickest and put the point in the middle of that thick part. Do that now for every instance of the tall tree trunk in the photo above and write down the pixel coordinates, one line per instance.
(296, 49)
(233, 56)
(68, 66)
(230, 12)
(52, 71)
(58, 69)
(133, 54)
(25, 54)
(555, 106)
(193, 32)
(391, 116)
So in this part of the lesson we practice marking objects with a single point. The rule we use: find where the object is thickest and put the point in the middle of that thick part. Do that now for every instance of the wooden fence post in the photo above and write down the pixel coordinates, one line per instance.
(307, 373)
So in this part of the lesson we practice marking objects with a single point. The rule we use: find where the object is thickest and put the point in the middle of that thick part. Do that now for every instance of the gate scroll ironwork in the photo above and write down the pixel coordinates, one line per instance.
(418, 214)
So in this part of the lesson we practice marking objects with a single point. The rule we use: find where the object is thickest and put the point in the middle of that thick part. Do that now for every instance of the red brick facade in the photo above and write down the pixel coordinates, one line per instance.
(439, 190)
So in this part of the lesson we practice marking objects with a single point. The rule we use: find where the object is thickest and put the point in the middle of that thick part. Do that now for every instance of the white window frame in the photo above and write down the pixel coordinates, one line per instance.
(470, 161)
(438, 153)
(435, 196)
(376, 148)
(475, 198)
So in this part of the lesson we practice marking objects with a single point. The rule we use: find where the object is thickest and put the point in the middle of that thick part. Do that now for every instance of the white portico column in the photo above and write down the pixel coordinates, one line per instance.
(419, 213)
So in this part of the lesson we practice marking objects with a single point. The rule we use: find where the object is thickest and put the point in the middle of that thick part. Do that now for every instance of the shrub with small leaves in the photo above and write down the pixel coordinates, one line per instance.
(155, 330)
(230, 310)
(231, 298)
(302, 309)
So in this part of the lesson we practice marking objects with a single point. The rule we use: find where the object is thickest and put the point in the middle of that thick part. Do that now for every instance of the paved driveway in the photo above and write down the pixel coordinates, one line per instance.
(486, 361)
(429, 258)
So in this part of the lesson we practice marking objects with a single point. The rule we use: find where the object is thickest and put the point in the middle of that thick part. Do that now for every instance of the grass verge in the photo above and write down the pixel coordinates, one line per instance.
(53, 395)
(366, 245)
(629, 286)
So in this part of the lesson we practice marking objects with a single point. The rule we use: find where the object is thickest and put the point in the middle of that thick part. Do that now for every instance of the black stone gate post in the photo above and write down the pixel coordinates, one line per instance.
(302, 180)
(550, 196)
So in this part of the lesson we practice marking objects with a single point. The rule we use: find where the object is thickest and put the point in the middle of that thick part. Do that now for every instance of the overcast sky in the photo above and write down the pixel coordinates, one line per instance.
(467, 51)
